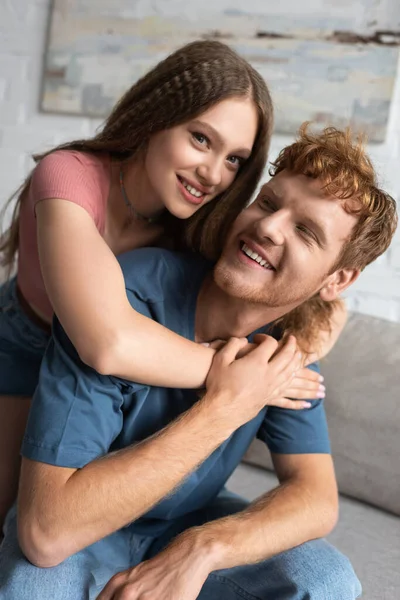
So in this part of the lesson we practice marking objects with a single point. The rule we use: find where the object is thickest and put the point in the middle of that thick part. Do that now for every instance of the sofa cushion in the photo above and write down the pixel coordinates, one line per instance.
(362, 376)
(369, 537)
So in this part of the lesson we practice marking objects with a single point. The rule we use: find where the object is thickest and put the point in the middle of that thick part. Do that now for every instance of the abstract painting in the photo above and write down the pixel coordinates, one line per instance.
(331, 62)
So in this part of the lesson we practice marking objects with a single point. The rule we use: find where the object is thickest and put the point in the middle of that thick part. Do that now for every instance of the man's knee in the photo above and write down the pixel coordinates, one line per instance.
(312, 571)
(327, 573)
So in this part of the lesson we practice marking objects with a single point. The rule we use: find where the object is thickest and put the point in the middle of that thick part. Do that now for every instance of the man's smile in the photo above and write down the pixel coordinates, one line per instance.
(256, 254)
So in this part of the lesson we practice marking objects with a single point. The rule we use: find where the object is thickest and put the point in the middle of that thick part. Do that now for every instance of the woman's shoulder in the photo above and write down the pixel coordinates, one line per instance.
(80, 177)
(71, 161)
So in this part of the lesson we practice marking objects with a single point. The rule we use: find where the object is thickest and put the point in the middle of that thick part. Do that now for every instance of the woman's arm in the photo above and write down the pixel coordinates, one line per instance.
(86, 288)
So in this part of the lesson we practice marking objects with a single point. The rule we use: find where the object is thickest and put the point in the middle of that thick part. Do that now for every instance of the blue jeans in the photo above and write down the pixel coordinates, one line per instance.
(312, 571)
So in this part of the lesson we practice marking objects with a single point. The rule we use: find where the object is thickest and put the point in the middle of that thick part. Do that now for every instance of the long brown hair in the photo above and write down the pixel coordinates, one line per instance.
(340, 162)
(179, 88)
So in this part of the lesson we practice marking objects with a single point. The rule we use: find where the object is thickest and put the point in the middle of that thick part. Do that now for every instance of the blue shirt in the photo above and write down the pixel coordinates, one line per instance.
(78, 415)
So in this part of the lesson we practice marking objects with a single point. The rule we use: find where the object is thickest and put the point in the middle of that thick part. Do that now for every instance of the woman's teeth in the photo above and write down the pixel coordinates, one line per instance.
(192, 190)
(256, 257)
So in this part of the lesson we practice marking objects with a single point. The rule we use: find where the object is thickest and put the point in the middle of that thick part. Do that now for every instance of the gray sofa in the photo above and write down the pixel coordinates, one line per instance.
(362, 375)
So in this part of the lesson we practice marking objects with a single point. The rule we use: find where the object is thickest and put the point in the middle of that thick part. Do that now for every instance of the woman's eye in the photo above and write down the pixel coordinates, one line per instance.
(236, 161)
(200, 138)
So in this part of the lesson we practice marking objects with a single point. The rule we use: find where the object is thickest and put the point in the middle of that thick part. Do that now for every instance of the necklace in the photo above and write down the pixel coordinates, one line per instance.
(134, 213)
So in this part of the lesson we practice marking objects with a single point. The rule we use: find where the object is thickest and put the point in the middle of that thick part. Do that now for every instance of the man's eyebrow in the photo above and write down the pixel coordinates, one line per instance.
(212, 132)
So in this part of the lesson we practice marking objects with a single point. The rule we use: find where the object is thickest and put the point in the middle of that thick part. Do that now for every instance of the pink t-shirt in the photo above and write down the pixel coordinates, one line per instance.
(74, 176)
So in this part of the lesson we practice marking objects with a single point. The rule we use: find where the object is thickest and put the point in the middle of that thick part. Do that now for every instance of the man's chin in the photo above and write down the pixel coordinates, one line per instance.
(233, 283)
(230, 282)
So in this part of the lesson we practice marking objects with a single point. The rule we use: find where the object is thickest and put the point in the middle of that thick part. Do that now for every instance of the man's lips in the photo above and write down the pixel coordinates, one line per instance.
(256, 252)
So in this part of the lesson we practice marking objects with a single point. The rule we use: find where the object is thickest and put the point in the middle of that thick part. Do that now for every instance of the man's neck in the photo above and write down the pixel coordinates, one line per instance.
(220, 316)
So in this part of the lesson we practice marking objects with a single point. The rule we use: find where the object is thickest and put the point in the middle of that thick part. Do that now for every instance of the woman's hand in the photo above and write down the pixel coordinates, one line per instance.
(305, 385)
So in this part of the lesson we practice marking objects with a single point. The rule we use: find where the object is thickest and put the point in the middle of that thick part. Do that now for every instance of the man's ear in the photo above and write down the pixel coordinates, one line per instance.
(337, 282)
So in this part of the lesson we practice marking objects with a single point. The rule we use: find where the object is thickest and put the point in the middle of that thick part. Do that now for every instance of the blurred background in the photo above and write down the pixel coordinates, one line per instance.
(64, 63)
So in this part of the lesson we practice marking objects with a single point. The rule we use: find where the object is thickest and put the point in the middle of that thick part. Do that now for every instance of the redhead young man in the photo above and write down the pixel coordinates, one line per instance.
(122, 484)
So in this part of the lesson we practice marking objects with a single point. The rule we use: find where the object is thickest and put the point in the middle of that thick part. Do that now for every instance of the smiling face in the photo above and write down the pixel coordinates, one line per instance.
(188, 165)
(282, 248)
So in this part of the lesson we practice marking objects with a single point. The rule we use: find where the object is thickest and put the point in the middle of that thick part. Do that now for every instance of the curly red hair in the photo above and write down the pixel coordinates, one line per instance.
(340, 162)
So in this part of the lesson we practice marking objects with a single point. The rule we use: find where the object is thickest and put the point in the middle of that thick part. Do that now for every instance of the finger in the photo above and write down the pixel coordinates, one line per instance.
(287, 370)
(246, 350)
(299, 393)
(286, 359)
(309, 374)
(307, 384)
(266, 347)
(127, 592)
(309, 387)
(290, 404)
(112, 587)
(215, 344)
(231, 349)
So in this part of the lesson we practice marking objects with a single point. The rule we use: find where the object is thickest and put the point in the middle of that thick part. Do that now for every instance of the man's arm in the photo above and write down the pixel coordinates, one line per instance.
(62, 510)
(303, 507)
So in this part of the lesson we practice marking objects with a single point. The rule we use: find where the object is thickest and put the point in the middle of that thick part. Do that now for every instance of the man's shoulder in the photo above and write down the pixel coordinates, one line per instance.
(152, 273)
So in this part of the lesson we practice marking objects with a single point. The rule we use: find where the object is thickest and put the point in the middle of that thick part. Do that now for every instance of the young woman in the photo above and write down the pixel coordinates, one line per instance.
(179, 156)
(177, 159)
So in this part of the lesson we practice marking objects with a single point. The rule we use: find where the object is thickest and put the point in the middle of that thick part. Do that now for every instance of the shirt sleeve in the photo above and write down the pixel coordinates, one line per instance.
(76, 413)
(296, 431)
(64, 174)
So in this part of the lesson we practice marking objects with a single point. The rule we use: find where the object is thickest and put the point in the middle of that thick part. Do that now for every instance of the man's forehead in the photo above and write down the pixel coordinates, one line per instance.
(286, 183)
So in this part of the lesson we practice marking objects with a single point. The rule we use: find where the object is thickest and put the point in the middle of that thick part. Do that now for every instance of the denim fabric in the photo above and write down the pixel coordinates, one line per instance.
(22, 345)
(312, 571)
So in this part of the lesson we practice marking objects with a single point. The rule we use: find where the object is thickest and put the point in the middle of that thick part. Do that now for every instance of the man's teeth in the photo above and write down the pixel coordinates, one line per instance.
(256, 257)
(192, 190)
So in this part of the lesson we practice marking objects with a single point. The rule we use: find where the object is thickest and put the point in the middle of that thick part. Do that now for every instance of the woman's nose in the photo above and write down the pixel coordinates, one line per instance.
(210, 172)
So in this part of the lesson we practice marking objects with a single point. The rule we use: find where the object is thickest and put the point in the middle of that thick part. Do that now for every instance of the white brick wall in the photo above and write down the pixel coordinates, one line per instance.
(24, 130)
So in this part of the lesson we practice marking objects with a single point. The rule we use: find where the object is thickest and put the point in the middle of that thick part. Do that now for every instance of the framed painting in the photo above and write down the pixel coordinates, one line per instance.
(334, 65)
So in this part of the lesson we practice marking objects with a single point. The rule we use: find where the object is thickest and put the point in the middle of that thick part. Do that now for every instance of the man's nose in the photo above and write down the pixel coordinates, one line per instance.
(210, 172)
(272, 227)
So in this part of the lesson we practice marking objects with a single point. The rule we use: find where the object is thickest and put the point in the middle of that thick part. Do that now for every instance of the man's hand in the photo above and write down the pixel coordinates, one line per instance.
(239, 388)
(305, 383)
(177, 573)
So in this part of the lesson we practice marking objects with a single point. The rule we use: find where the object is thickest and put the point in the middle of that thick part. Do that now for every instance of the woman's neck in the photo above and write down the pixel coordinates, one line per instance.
(136, 190)
(122, 230)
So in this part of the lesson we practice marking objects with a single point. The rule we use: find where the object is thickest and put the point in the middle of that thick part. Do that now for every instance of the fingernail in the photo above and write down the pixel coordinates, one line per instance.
(320, 394)
(321, 388)
(321, 378)
(306, 404)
